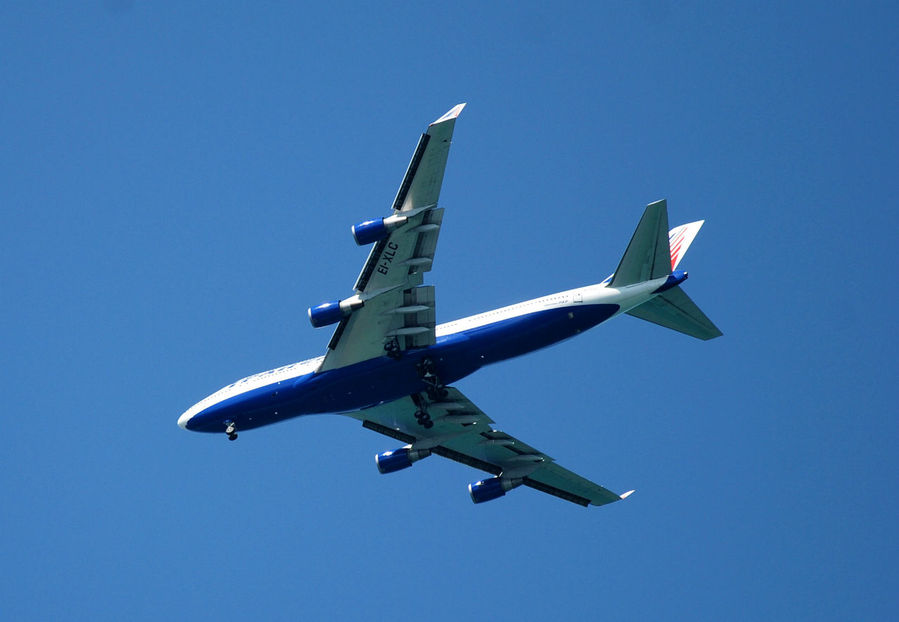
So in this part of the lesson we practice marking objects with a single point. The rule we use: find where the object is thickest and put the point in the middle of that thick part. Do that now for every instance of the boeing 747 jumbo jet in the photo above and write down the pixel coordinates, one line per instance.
(390, 365)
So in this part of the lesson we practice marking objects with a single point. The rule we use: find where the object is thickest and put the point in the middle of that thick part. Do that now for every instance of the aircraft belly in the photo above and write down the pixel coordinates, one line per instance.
(454, 356)
(384, 379)
(520, 335)
(363, 384)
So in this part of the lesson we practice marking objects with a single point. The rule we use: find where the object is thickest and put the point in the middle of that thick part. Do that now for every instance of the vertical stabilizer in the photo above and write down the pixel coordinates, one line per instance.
(648, 255)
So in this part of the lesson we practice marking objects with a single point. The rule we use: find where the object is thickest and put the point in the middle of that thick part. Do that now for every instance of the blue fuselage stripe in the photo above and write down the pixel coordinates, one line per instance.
(385, 379)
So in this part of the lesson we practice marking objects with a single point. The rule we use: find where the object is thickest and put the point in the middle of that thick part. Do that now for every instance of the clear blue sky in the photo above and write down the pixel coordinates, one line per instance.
(177, 183)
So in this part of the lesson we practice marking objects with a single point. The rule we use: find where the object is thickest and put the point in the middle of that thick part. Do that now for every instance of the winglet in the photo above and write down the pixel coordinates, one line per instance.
(452, 114)
(626, 495)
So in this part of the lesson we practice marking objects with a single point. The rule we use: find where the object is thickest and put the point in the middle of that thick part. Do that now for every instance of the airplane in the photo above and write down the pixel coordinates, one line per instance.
(390, 366)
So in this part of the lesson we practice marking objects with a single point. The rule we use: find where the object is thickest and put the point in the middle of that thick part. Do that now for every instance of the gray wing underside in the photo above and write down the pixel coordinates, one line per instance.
(462, 432)
(398, 307)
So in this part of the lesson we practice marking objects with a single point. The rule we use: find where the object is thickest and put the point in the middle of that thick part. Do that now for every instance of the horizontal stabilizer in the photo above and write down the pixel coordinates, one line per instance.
(674, 309)
(648, 255)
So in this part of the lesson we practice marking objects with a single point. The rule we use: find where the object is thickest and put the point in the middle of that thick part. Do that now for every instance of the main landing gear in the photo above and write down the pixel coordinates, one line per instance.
(231, 431)
(392, 348)
(436, 390)
(421, 412)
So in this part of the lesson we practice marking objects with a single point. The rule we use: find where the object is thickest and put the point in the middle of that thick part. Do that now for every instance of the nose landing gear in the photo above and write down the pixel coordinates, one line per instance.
(231, 431)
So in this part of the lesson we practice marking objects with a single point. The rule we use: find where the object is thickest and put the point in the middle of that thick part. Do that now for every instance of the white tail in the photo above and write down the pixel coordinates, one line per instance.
(679, 240)
(650, 255)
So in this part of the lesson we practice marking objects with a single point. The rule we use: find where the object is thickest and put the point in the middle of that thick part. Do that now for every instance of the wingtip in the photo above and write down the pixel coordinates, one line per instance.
(451, 114)
(626, 495)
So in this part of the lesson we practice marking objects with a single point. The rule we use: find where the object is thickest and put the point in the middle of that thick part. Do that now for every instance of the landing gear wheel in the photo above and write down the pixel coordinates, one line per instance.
(392, 348)
(426, 371)
(424, 419)
(231, 431)
(428, 374)
(437, 393)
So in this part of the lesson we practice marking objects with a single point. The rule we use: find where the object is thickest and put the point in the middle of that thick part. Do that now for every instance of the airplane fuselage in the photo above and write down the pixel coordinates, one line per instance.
(462, 347)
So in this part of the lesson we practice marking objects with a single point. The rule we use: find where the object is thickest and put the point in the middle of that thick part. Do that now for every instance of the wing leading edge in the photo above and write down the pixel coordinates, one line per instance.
(398, 311)
(455, 428)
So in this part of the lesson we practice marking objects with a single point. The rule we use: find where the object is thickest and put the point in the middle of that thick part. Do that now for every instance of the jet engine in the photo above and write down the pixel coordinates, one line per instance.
(376, 230)
(490, 489)
(334, 311)
(399, 459)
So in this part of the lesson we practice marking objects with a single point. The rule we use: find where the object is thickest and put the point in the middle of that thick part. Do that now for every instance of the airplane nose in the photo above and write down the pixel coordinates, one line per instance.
(183, 419)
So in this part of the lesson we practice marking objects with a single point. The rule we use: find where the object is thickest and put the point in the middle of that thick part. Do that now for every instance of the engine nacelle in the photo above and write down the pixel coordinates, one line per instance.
(376, 230)
(490, 489)
(334, 311)
(399, 459)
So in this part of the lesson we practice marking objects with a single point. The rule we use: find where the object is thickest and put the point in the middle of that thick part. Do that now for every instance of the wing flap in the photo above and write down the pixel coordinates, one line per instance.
(419, 318)
(561, 482)
(467, 460)
(557, 492)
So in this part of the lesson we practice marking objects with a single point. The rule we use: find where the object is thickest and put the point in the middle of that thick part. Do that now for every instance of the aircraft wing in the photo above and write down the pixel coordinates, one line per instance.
(455, 428)
(398, 311)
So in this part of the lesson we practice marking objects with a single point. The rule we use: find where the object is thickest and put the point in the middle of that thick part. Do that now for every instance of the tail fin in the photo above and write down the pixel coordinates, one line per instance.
(680, 238)
(648, 254)
(655, 252)
(645, 256)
